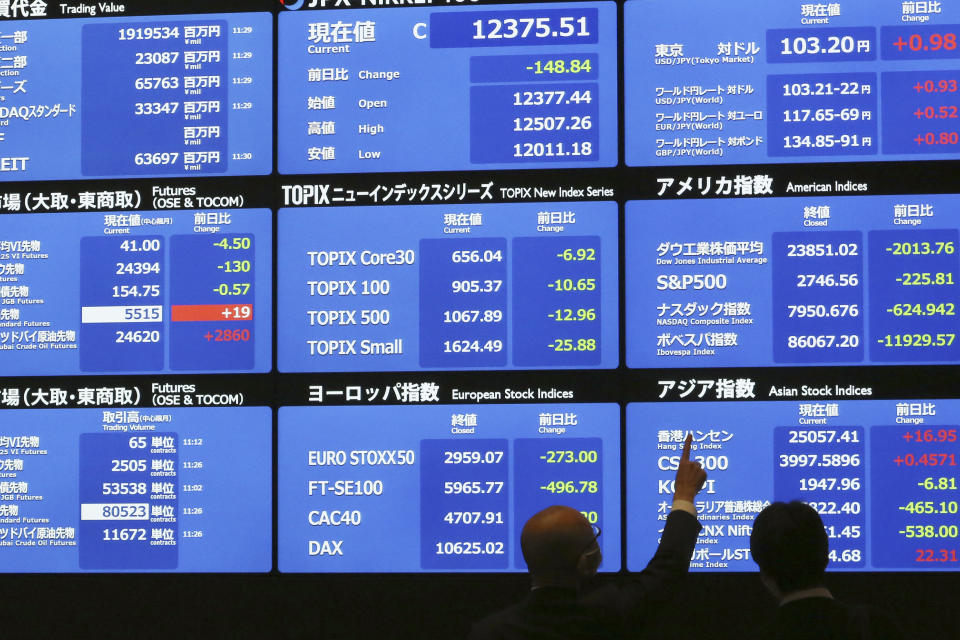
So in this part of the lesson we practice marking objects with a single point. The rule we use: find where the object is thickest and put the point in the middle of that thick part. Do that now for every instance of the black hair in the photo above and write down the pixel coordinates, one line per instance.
(790, 545)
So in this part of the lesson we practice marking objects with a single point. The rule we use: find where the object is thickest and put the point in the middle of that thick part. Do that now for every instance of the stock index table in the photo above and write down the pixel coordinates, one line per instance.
(129, 490)
(440, 287)
(881, 473)
(445, 488)
(157, 291)
(154, 96)
(449, 88)
(798, 281)
(790, 81)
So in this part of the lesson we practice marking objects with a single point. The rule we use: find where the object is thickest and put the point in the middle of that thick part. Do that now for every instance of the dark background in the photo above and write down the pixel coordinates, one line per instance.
(715, 607)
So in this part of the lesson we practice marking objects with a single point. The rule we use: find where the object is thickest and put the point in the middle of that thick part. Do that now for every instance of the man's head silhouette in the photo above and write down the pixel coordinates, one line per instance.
(560, 547)
(790, 546)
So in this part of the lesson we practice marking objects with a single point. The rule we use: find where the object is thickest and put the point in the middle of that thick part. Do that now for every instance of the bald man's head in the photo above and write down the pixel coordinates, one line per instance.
(553, 541)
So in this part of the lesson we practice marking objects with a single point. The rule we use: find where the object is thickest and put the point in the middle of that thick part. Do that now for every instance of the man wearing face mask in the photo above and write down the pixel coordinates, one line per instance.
(561, 551)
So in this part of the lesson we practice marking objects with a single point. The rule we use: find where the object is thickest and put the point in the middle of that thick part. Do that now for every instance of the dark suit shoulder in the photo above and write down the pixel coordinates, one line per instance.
(828, 619)
(545, 614)
(671, 561)
(563, 614)
(490, 628)
(679, 526)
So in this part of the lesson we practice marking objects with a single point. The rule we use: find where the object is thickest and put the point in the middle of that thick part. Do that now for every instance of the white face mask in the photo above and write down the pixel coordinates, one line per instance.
(589, 562)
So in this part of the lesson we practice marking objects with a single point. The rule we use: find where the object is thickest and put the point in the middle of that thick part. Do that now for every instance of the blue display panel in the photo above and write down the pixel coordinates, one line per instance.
(448, 88)
(185, 490)
(790, 82)
(401, 288)
(881, 473)
(130, 97)
(793, 281)
(90, 293)
(439, 488)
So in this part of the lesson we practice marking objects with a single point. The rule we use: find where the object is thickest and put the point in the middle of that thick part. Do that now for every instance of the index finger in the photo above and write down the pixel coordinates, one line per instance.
(685, 457)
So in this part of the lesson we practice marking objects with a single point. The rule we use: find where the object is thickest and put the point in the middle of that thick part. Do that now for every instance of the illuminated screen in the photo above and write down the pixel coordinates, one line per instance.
(349, 287)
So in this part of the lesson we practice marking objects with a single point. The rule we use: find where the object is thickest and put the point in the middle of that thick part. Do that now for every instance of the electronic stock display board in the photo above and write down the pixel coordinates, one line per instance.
(330, 286)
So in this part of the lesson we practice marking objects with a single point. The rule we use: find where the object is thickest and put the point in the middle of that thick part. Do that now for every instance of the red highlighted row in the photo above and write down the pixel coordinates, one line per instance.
(210, 312)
